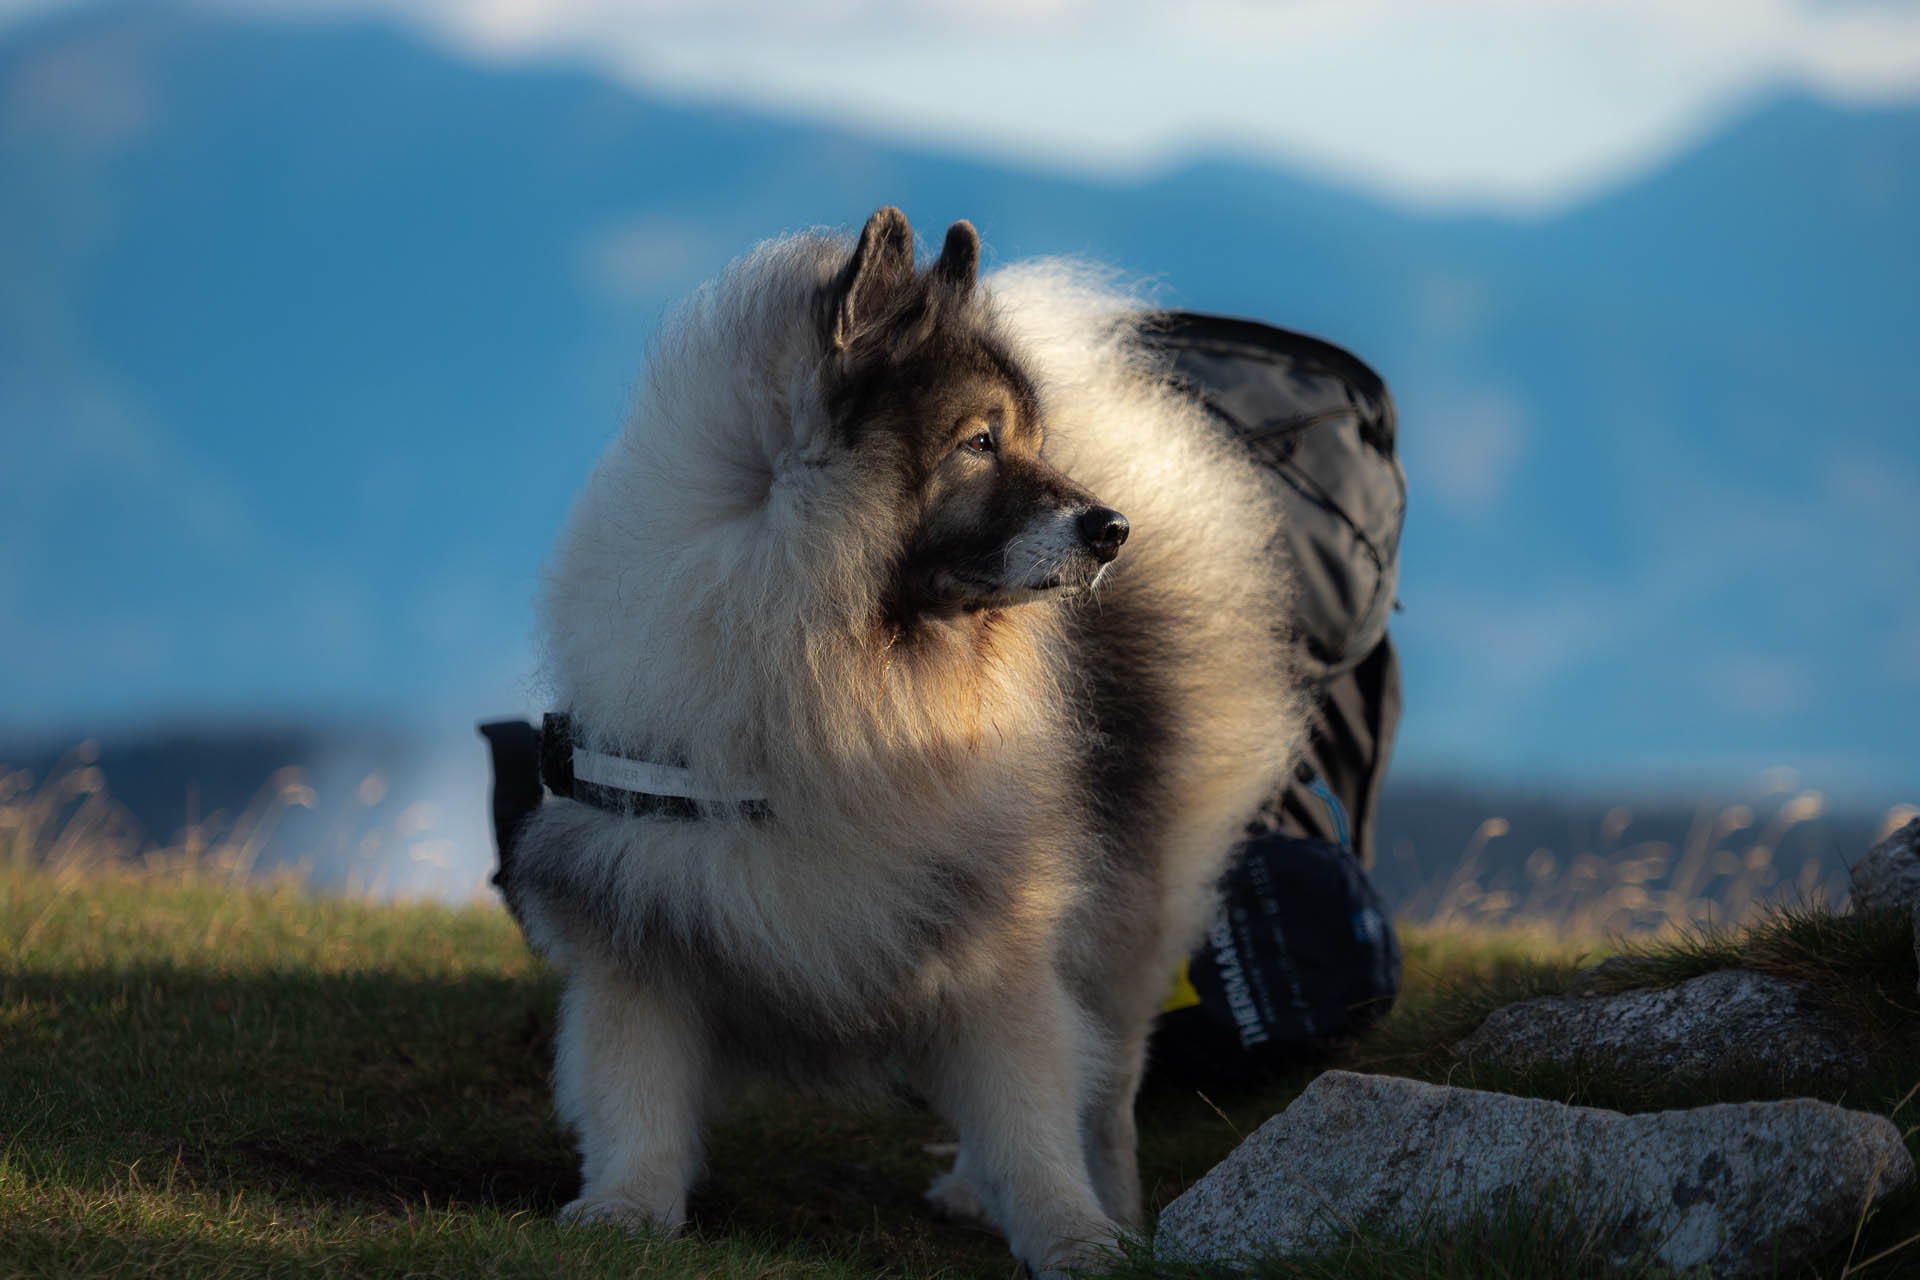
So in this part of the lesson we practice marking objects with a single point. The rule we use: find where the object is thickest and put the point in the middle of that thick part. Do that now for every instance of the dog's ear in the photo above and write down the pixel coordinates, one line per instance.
(959, 258)
(882, 262)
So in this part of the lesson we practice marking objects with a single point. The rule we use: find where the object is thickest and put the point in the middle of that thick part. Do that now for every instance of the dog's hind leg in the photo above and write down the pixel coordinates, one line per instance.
(628, 1077)
(1009, 1074)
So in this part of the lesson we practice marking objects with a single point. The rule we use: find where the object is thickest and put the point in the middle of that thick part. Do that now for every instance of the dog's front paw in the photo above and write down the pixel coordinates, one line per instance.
(1090, 1250)
(624, 1211)
(954, 1198)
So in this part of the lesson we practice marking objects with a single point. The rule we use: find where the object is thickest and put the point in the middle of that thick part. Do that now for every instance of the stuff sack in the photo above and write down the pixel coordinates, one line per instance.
(1300, 956)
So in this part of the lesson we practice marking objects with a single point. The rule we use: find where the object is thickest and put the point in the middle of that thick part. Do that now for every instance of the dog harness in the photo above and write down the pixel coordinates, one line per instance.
(634, 787)
(528, 763)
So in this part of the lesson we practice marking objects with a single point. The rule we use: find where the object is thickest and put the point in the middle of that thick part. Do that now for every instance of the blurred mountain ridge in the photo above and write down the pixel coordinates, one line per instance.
(311, 331)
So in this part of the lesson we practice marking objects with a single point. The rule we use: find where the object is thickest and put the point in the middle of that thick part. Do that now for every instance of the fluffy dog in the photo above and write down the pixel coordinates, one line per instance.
(971, 767)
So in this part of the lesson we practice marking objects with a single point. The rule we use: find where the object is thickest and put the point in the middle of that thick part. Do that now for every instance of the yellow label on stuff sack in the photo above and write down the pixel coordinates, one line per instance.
(1182, 996)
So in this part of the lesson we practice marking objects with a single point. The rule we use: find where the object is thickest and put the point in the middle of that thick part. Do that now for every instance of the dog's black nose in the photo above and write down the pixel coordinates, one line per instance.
(1104, 529)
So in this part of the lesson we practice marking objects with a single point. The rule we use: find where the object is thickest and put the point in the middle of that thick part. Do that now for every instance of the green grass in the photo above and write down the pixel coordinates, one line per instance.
(210, 1081)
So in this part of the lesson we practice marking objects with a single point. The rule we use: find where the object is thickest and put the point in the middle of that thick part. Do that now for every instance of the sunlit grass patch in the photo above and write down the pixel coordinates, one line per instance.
(157, 1223)
(209, 1079)
(204, 1078)
(206, 1073)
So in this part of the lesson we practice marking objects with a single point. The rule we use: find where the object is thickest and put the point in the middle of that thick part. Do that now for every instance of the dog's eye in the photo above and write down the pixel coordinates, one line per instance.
(979, 442)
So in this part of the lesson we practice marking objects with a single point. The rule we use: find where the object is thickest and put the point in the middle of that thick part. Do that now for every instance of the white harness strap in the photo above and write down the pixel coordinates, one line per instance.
(644, 778)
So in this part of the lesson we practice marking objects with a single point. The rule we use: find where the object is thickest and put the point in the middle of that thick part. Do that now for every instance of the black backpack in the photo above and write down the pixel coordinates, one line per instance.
(1302, 953)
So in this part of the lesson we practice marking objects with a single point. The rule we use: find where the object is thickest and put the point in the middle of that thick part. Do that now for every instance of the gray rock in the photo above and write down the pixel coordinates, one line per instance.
(1732, 1021)
(1888, 878)
(1724, 1186)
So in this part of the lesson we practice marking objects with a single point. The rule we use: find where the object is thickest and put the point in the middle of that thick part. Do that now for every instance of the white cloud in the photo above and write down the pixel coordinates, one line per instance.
(1470, 448)
(1506, 103)
(651, 257)
(1875, 490)
(1762, 686)
(1901, 653)
(1509, 649)
(91, 93)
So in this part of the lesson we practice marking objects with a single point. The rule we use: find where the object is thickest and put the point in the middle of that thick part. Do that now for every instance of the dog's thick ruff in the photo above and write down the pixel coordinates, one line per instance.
(854, 545)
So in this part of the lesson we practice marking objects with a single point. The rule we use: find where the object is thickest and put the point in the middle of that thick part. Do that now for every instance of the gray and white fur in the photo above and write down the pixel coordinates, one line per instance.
(1000, 785)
